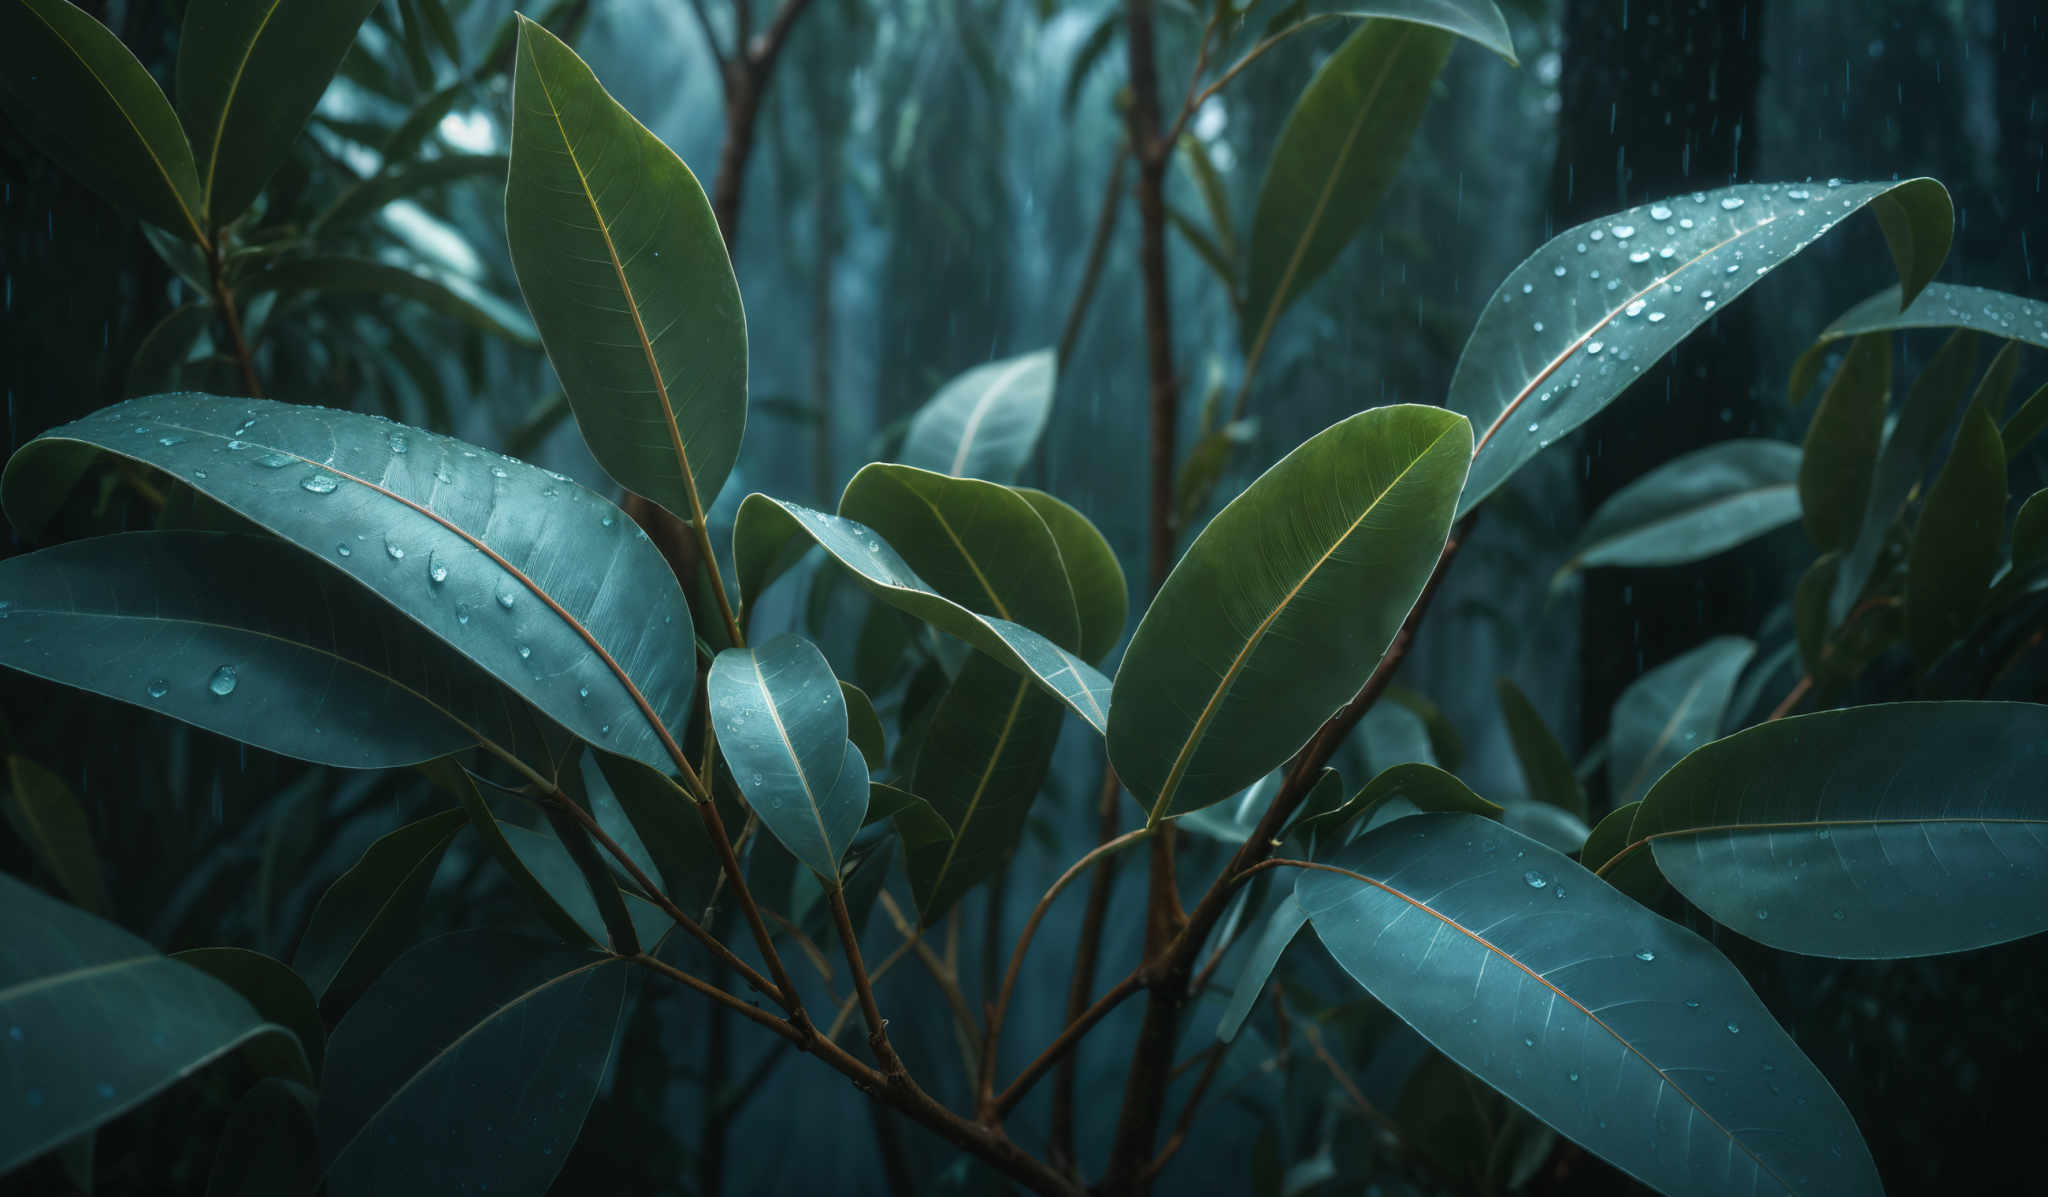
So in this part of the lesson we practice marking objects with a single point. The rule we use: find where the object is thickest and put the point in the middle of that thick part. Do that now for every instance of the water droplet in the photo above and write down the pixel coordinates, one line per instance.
(462, 613)
(1559, 271)
(320, 484)
(605, 730)
(1537, 326)
(1762, 914)
(223, 682)
(273, 461)
(1656, 317)
(583, 692)
(397, 442)
(1535, 879)
(1640, 256)
(525, 652)
(1574, 1078)
(168, 441)
(1595, 346)
(237, 445)
(607, 519)
(1633, 309)
(1668, 252)
(1646, 955)
(1685, 222)
(1528, 1041)
(437, 573)
(158, 687)
(1731, 203)
(1734, 1028)
(1558, 892)
(1533, 427)
(1623, 232)
(506, 598)
(1528, 287)
(1660, 212)
(1839, 914)
(397, 554)
(499, 472)
(343, 549)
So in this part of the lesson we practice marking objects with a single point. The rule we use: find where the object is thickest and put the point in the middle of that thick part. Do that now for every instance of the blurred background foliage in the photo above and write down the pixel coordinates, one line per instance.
(926, 182)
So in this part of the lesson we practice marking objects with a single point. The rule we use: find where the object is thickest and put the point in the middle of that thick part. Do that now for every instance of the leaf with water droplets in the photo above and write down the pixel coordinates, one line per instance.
(1507, 372)
(1939, 305)
(1438, 917)
(1864, 811)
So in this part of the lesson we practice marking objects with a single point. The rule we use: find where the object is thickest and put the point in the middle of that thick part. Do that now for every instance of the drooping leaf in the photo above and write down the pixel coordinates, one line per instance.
(1630, 1035)
(1283, 606)
(1282, 926)
(278, 993)
(1546, 769)
(539, 582)
(864, 726)
(1840, 453)
(468, 1067)
(1855, 834)
(1955, 545)
(249, 74)
(781, 724)
(1101, 596)
(79, 96)
(1939, 305)
(985, 758)
(98, 1022)
(1693, 507)
(986, 422)
(623, 267)
(369, 915)
(1421, 786)
(1994, 389)
(268, 1147)
(47, 816)
(1555, 344)
(766, 529)
(445, 293)
(1670, 711)
(549, 873)
(670, 826)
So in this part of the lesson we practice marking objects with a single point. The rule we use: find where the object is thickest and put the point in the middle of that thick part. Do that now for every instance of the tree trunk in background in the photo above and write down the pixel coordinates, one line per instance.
(2021, 102)
(1659, 98)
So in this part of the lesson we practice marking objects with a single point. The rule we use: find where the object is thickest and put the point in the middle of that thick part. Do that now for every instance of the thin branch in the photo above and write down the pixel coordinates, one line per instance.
(231, 319)
(846, 1008)
(1098, 252)
(1086, 954)
(1059, 1047)
(765, 50)
(710, 36)
(878, 1027)
(745, 1009)
(1787, 704)
(1214, 1064)
(805, 944)
(942, 974)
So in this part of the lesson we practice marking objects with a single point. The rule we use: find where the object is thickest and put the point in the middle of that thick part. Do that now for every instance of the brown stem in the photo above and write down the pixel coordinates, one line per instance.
(1087, 952)
(1210, 1067)
(878, 1027)
(1098, 252)
(231, 319)
(707, 810)
(1059, 1047)
(1791, 700)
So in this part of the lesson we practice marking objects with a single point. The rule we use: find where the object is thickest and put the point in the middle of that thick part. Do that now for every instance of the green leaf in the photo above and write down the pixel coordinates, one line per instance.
(1552, 826)
(1215, 192)
(1692, 507)
(1542, 361)
(1418, 786)
(986, 422)
(623, 267)
(985, 757)
(2030, 533)
(1955, 546)
(268, 1147)
(366, 197)
(2026, 423)
(864, 727)
(1337, 155)
(1840, 454)
(249, 74)
(98, 1022)
(1546, 769)
(1670, 711)
(447, 294)
(1101, 596)
(1633, 873)
(79, 96)
(1811, 628)
(1854, 834)
(765, 529)
(1939, 305)
(277, 992)
(1282, 926)
(47, 816)
(544, 868)
(1630, 1035)
(782, 728)
(469, 1067)
(290, 658)
(369, 915)
(514, 567)
(1283, 606)
(979, 544)
(669, 825)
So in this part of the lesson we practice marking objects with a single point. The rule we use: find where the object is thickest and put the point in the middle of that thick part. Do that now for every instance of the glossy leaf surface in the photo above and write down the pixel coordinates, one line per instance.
(782, 727)
(623, 267)
(1570, 328)
(1101, 596)
(541, 583)
(1940, 305)
(985, 423)
(1840, 453)
(669, 826)
(368, 916)
(277, 993)
(1694, 506)
(1955, 544)
(1627, 1033)
(1669, 711)
(1546, 768)
(1283, 605)
(1854, 834)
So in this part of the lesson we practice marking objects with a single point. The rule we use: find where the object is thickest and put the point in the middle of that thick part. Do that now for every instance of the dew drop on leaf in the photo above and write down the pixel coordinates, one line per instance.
(223, 682)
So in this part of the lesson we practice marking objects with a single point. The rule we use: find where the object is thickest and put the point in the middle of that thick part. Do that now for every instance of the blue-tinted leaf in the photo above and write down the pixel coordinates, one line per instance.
(782, 728)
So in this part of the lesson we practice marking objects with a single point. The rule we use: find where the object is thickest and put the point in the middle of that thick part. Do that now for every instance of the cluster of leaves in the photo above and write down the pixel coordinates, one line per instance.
(345, 590)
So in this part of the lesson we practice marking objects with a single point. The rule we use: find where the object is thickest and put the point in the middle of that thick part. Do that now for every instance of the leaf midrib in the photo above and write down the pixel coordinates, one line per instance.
(227, 105)
(796, 761)
(981, 406)
(1678, 515)
(1024, 686)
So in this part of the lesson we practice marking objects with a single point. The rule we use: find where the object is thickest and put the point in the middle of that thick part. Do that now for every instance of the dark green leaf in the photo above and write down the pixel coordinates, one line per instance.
(1555, 344)
(2026, 423)
(1421, 786)
(46, 815)
(448, 294)
(1283, 606)
(249, 74)
(1554, 827)
(277, 992)
(1628, 1034)
(1955, 546)
(468, 1067)
(366, 198)
(369, 915)
(670, 826)
(1546, 769)
(1856, 834)
(560, 888)
(77, 93)
(986, 422)
(1940, 305)
(1811, 627)
(864, 727)
(1282, 926)
(98, 1022)
(269, 1147)
(623, 267)
(1634, 873)
(1693, 507)
(1670, 711)
(2030, 533)
(1841, 447)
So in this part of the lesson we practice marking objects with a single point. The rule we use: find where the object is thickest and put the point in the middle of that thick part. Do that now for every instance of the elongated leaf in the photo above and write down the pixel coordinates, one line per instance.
(1286, 922)
(47, 816)
(669, 826)
(1284, 605)
(539, 582)
(984, 760)
(269, 1146)
(979, 544)
(1629, 1034)
(2030, 533)
(1552, 826)
(781, 724)
(766, 528)
(77, 93)
(2026, 423)
(1670, 711)
(468, 1067)
(98, 1022)
(367, 197)
(1568, 330)
(537, 866)
(1693, 507)
(290, 658)
(864, 726)
(1955, 546)
(1546, 769)
(1854, 834)
(368, 916)
(278, 993)
(1939, 305)
(1413, 785)
(1840, 453)
(1101, 596)
(1337, 155)
(986, 422)
(448, 294)
(550, 875)
(249, 74)
(623, 267)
